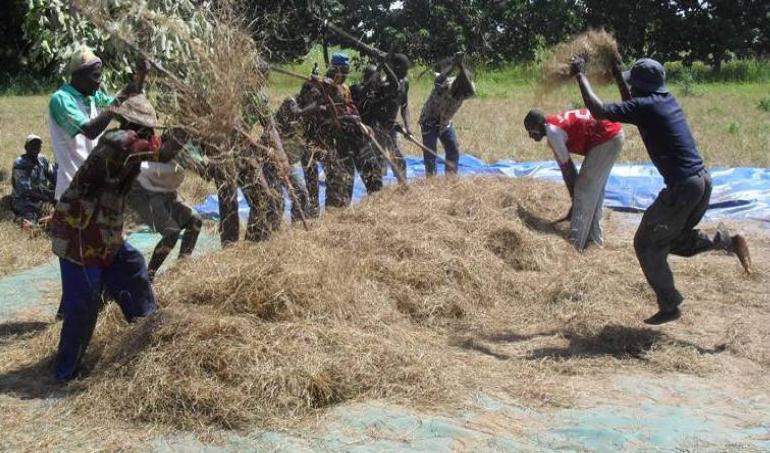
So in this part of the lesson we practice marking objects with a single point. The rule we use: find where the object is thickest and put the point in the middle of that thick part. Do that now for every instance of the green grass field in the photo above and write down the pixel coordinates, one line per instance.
(731, 123)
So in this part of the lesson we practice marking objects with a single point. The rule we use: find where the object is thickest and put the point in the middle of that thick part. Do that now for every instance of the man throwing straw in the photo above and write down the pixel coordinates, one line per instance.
(668, 225)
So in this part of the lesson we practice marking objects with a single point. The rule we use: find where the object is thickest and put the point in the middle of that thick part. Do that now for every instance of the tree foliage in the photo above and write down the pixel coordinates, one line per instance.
(37, 33)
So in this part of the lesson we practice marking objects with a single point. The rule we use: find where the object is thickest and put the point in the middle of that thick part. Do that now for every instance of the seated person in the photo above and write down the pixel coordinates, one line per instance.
(33, 181)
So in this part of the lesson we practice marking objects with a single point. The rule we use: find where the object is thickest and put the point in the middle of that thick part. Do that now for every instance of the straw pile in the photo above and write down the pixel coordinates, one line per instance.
(597, 47)
(418, 297)
(401, 298)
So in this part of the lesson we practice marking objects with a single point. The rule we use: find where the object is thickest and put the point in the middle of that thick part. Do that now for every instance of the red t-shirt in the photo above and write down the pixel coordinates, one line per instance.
(583, 131)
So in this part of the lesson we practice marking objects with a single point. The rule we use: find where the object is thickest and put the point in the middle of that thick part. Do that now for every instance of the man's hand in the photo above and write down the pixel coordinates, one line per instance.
(577, 65)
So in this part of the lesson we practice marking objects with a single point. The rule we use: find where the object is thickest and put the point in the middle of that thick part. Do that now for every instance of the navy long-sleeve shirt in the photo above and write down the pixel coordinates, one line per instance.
(665, 133)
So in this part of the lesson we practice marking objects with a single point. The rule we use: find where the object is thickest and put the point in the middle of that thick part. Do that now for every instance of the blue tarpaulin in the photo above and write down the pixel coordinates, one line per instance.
(739, 193)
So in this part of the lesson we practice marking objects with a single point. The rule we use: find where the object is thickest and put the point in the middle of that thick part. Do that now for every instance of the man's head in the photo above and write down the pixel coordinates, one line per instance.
(339, 68)
(534, 122)
(400, 64)
(85, 70)
(646, 76)
(33, 144)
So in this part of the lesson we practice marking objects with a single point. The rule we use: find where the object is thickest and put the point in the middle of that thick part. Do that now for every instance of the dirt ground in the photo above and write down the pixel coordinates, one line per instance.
(719, 402)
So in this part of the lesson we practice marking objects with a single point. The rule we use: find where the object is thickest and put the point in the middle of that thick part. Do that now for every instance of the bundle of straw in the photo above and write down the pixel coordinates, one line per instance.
(212, 85)
(597, 47)
(205, 83)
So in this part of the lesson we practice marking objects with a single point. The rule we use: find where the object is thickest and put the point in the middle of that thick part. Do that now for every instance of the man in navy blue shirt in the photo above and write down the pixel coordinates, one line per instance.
(668, 225)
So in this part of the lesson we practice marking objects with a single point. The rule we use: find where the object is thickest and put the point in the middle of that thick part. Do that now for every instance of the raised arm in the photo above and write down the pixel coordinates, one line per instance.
(591, 100)
(617, 73)
(443, 75)
(464, 78)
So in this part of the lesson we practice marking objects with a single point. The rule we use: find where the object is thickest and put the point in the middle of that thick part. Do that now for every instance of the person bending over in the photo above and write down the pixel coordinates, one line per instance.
(154, 196)
(600, 141)
(87, 232)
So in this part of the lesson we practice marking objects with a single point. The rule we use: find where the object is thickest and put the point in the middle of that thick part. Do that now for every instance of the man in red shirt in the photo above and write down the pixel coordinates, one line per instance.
(600, 141)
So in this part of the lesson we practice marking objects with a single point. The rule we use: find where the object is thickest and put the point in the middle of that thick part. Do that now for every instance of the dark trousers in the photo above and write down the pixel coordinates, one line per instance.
(668, 227)
(265, 203)
(227, 196)
(27, 209)
(351, 152)
(126, 280)
(448, 138)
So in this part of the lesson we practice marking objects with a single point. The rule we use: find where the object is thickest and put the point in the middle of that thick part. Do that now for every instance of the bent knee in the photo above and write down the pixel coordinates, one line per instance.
(196, 221)
(170, 233)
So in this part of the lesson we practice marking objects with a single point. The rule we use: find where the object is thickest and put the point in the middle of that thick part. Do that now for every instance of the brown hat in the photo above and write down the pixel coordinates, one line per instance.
(138, 110)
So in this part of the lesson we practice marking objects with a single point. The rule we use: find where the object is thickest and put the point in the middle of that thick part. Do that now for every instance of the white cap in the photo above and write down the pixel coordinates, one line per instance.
(32, 137)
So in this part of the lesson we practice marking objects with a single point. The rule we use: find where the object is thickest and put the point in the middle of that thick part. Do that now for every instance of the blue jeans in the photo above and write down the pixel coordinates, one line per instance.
(127, 281)
(448, 139)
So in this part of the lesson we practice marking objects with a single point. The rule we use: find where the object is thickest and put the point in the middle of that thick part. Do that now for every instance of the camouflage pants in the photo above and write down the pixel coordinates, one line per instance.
(227, 197)
(351, 152)
(265, 200)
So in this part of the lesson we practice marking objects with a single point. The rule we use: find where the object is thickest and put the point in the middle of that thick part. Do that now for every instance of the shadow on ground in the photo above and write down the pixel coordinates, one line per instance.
(620, 342)
(10, 331)
(28, 380)
(539, 224)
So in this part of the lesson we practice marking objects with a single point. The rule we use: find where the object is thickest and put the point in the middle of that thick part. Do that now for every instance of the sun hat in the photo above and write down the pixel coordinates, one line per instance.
(138, 110)
(647, 75)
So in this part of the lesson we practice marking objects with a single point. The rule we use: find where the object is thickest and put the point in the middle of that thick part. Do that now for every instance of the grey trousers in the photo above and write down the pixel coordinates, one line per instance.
(586, 223)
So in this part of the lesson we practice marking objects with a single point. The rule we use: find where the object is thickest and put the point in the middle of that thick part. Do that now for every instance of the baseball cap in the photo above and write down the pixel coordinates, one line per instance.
(32, 138)
(647, 75)
(340, 59)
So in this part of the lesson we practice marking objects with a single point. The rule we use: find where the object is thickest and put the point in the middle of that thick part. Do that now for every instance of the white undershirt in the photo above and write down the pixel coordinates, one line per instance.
(557, 139)
(161, 177)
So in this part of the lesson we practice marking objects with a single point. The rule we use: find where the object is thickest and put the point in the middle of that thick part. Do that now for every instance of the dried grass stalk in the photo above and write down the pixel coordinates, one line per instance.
(597, 47)
(214, 88)
(382, 301)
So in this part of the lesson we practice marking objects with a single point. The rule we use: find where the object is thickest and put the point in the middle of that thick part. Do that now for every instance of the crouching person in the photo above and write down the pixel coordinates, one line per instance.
(33, 182)
(600, 141)
(87, 232)
(154, 197)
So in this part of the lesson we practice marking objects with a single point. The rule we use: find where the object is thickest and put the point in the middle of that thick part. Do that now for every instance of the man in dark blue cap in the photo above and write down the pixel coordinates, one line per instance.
(668, 225)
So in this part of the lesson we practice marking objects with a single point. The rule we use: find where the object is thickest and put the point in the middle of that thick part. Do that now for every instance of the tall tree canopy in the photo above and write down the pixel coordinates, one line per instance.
(36, 33)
